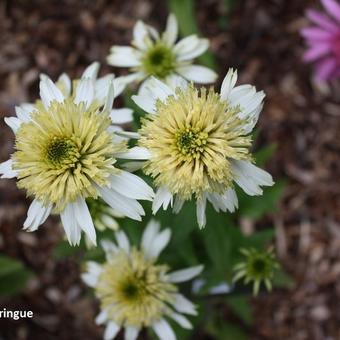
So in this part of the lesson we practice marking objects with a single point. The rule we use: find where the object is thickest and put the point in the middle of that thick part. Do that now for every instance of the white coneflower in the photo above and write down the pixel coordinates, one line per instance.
(199, 143)
(65, 153)
(134, 291)
(154, 54)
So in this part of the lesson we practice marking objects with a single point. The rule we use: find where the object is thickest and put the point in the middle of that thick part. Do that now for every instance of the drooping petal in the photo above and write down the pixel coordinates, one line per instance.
(131, 333)
(131, 186)
(163, 197)
(124, 205)
(6, 169)
(13, 122)
(101, 318)
(84, 219)
(71, 227)
(325, 69)
(200, 212)
(111, 330)
(163, 330)
(183, 305)
(181, 320)
(36, 215)
(250, 178)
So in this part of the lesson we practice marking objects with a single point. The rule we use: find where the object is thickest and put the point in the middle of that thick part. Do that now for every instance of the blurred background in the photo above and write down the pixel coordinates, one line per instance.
(301, 119)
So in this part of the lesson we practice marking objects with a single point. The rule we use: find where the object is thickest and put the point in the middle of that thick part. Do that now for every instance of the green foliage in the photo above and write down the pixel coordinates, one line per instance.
(185, 13)
(13, 276)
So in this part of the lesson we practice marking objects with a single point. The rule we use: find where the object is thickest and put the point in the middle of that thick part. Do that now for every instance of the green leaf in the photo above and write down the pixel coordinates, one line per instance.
(264, 154)
(240, 305)
(256, 207)
(13, 276)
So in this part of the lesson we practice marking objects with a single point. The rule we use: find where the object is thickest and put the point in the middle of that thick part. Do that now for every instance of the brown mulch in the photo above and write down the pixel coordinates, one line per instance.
(301, 117)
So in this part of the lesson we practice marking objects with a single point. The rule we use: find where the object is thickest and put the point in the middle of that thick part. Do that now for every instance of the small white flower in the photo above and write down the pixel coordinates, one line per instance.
(152, 54)
(136, 292)
(197, 143)
(65, 152)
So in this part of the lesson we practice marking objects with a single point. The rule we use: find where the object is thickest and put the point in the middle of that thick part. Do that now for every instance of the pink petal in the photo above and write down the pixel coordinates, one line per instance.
(322, 20)
(332, 7)
(326, 69)
(317, 34)
(316, 51)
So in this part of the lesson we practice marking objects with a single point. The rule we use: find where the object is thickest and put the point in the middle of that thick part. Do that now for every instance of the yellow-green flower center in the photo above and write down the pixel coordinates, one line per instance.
(132, 289)
(159, 60)
(64, 152)
(191, 142)
(192, 138)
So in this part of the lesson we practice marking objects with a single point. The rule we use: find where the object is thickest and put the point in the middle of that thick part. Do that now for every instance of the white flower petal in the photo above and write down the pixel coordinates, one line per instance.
(131, 333)
(163, 197)
(140, 35)
(183, 305)
(198, 74)
(65, 80)
(123, 241)
(36, 215)
(23, 113)
(163, 330)
(71, 227)
(119, 85)
(49, 92)
(200, 212)
(181, 320)
(133, 166)
(101, 318)
(6, 169)
(92, 274)
(186, 45)
(185, 274)
(109, 247)
(13, 122)
(84, 219)
(109, 98)
(175, 81)
(150, 232)
(124, 56)
(171, 30)
(198, 49)
(101, 87)
(158, 243)
(124, 205)
(227, 201)
(85, 92)
(178, 204)
(135, 153)
(111, 331)
(127, 134)
(121, 116)
(131, 186)
(249, 177)
(145, 102)
(91, 71)
(228, 84)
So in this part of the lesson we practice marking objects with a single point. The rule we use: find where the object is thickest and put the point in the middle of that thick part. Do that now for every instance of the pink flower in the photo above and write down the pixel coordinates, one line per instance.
(323, 40)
